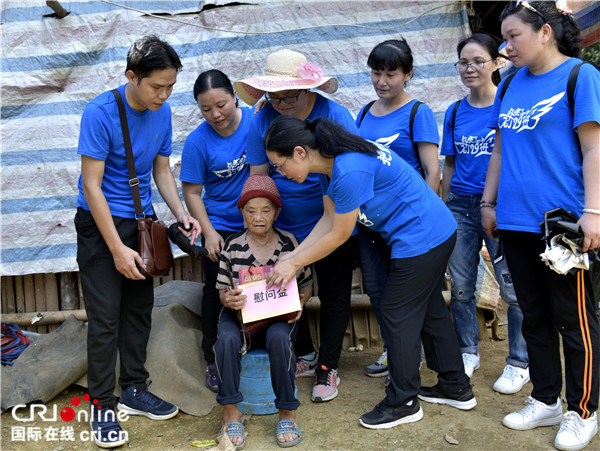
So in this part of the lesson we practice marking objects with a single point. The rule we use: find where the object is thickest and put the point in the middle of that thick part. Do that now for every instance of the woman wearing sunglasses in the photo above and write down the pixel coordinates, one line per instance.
(287, 85)
(545, 157)
(467, 145)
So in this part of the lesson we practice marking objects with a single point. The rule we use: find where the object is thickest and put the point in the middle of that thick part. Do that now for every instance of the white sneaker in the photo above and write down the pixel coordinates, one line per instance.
(471, 363)
(536, 414)
(512, 380)
(575, 433)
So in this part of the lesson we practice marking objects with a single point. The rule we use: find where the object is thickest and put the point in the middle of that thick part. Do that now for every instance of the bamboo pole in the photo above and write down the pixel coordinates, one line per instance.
(58, 9)
(56, 317)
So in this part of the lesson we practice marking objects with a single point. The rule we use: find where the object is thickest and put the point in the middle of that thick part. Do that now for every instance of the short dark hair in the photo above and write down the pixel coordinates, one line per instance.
(149, 54)
(212, 79)
(393, 54)
(565, 29)
(489, 44)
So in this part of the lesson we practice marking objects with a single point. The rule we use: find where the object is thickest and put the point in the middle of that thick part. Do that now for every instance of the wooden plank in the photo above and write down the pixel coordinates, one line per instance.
(178, 270)
(29, 290)
(360, 326)
(198, 270)
(348, 336)
(40, 299)
(187, 269)
(52, 301)
(80, 291)
(68, 291)
(8, 294)
(19, 295)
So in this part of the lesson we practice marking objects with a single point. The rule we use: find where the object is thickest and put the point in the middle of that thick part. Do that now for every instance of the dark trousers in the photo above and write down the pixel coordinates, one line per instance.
(375, 257)
(211, 304)
(414, 311)
(554, 305)
(277, 340)
(119, 310)
(334, 276)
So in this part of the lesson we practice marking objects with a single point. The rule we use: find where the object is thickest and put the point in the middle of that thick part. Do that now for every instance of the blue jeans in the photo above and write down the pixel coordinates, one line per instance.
(463, 265)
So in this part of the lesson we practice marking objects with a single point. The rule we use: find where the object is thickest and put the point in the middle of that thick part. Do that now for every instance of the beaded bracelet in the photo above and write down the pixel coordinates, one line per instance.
(592, 211)
(485, 203)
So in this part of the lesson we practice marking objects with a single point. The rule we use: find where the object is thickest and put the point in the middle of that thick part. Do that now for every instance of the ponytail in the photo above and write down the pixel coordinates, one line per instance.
(323, 135)
(565, 29)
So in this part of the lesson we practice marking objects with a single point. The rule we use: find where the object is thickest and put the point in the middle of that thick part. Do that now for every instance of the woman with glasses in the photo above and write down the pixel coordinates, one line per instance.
(467, 145)
(372, 185)
(388, 121)
(287, 85)
(546, 157)
(213, 160)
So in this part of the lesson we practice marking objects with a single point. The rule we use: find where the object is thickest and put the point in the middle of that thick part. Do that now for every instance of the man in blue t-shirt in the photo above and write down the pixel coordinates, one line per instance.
(118, 298)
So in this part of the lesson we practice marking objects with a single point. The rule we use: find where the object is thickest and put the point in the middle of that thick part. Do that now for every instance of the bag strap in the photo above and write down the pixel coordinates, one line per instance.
(411, 122)
(133, 180)
(453, 123)
(506, 83)
(365, 111)
(571, 84)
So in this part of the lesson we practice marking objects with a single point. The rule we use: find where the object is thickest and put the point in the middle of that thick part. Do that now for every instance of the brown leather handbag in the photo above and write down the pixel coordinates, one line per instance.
(153, 239)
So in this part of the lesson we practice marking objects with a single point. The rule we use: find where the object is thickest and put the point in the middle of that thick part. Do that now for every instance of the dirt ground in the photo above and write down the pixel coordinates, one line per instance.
(334, 425)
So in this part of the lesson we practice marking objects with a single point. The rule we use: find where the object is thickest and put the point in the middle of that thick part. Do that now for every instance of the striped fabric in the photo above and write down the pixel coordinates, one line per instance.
(52, 67)
(237, 255)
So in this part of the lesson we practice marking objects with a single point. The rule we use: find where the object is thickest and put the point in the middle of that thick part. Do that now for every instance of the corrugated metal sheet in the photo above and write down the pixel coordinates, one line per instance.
(52, 67)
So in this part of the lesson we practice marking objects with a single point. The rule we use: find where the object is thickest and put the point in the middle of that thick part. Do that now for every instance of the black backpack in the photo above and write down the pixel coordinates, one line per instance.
(411, 121)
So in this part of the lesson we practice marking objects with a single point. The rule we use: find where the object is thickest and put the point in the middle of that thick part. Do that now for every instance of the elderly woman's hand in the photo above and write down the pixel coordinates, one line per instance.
(233, 299)
(284, 271)
(305, 294)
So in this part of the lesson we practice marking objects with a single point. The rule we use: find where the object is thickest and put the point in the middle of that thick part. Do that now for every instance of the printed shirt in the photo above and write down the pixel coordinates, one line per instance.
(392, 130)
(393, 199)
(541, 157)
(302, 203)
(219, 164)
(101, 138)
(237, 255)
(472, 146)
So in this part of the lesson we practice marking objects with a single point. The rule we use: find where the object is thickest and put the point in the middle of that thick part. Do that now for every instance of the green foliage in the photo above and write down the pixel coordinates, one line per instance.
(591, 54)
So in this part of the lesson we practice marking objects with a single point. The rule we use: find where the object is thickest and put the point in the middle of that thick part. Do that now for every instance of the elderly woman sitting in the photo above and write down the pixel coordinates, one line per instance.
(259, 244)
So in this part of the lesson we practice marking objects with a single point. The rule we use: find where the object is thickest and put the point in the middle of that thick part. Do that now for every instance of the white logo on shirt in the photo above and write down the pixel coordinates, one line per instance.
(384, 155)
(471, 145)
(519, 119)
(387, 141)
(362, 218)
(233, 168)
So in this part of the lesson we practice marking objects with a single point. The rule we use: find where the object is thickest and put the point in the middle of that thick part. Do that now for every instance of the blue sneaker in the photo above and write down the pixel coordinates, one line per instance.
(211, 380)
(106, 430)
(142, 402)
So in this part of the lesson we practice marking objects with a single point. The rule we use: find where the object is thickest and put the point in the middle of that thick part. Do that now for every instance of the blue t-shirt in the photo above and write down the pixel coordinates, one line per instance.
(393, 199)
(219, 163)
(101, 138)
(302, 203)
(541, 157)
(392, 130)
(472, 146)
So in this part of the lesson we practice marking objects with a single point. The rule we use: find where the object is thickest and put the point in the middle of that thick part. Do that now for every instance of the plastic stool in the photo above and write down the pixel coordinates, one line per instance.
(255, 384)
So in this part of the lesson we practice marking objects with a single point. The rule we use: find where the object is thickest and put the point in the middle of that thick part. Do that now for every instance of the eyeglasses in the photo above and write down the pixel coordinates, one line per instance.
(278, 100)
(280, 167)
(515, 5)
(475, 65)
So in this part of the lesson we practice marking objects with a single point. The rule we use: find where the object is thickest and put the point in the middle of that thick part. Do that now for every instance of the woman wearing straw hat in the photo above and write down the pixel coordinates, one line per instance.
(286, 85)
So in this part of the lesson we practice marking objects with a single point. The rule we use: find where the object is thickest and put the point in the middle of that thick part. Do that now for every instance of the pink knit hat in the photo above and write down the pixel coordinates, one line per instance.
(259, 185)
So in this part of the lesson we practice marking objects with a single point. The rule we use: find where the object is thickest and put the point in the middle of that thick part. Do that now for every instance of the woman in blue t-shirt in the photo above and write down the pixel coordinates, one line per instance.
(547, 155)
(288, 87)
(467, 145)
(388, 121)
(372, 185)
(213, 160)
